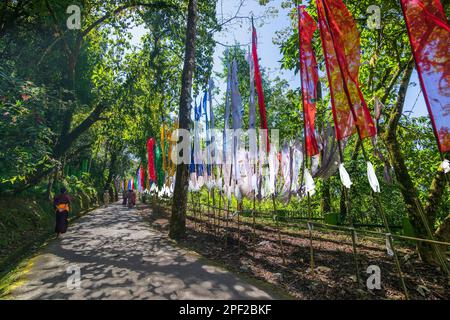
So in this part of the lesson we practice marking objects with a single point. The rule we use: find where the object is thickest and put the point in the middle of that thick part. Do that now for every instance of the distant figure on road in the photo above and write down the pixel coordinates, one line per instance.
(131, 198)
(106, 198)
(124, 197)
(62, 208)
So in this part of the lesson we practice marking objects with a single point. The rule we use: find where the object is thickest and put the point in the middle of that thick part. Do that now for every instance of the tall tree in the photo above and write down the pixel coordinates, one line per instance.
(178, 218)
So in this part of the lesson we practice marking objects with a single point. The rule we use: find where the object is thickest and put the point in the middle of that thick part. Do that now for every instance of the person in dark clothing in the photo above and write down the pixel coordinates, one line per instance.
(131, 199)
(124, 199)
(61, 204)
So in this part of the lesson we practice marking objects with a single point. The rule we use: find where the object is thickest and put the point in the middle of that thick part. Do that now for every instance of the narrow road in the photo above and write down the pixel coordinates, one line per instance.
(118, 256)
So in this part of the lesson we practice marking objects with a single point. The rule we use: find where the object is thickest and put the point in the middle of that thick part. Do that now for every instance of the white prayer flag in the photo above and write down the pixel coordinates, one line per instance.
(345, 177)
(373, 180)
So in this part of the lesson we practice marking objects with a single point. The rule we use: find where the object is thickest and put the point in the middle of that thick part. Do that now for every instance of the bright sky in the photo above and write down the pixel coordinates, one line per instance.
(240, 32)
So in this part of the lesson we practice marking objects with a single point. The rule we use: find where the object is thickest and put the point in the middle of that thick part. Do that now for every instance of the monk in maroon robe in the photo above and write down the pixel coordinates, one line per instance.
(61, 204)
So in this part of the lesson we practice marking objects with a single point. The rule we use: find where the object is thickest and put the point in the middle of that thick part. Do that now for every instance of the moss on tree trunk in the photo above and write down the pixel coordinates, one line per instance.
(407, 187)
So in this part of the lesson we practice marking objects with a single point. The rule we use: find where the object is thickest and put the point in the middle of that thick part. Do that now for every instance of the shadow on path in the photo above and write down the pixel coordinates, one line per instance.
(120, 257)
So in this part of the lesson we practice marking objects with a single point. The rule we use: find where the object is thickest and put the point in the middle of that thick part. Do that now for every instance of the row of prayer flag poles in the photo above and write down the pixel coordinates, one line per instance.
(341, 47)
(428, 32)
(156, 176)
(342, 56)
(427, 29)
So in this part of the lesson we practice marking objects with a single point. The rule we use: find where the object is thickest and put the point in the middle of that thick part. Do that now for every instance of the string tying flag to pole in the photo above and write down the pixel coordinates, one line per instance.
(429, 32)
(341, 47)
(309, 76)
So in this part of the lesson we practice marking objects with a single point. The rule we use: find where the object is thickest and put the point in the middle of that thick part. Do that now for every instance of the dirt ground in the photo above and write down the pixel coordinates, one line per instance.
(334, 275)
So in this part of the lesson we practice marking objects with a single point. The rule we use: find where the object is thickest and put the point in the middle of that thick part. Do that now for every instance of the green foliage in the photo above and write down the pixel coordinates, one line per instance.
(71, 96)
(26, 137)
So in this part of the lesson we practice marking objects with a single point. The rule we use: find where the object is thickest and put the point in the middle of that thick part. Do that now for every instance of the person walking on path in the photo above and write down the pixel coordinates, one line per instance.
(124, 197)
(131, 199)
(61, 204)
(106, 198)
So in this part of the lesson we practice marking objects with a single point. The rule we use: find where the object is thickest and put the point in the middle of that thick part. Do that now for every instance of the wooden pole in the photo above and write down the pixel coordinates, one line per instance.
(280, 240)
(375, 197)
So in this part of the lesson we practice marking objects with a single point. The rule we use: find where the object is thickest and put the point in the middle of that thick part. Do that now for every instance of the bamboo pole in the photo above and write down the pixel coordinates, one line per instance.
(278, 230)
(228, 208)
(347, 229)
(239, 208)
(355, 256)
(310, 227)
(349, 214)
(375, 197)
(254, 225)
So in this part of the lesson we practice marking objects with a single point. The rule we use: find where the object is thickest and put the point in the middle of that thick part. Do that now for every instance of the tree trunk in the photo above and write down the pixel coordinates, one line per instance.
(407, 188)
(326, 197)
(443, 232)
(62, 146)
(178, 218)
(111, 172)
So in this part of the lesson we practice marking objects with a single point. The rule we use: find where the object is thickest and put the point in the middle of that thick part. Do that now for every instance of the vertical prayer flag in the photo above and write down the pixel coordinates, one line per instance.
(151, 159)
(163, 146)
(158, 167)
(212, 145)
(341, 47)
(259, 86)
(429, 34)
(252, 107)
(138, 174)
(142, 178)
(208, 133)
(227, 112)
(197, 146)
(309, 78)
(236, 107)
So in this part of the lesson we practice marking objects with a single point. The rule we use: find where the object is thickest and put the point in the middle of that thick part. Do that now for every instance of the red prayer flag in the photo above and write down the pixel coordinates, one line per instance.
(142, 177)
(259, 87)
(309, 78)
(341, 47)
(151, 159)
(429, 34)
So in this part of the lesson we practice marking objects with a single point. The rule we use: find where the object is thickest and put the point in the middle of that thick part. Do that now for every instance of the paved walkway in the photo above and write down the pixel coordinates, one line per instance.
(120, 257)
